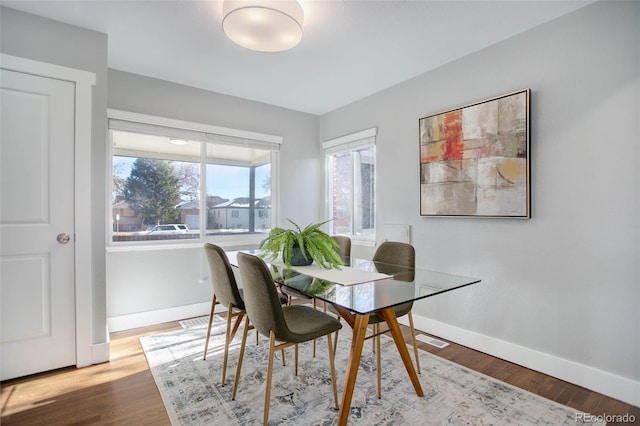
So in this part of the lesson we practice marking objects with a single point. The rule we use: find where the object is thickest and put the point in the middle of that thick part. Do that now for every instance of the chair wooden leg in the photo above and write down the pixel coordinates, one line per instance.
(258, 335)
(314, 340)
(373, 341)
(267, 392)
(335, 341)
(240, 357)
(206, 342)
(333, 369)
(415, 346)
(227, 338)
(295, 351)
(378, 363)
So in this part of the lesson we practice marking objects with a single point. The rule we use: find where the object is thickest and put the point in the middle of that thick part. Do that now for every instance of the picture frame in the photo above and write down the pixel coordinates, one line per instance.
(475, 160)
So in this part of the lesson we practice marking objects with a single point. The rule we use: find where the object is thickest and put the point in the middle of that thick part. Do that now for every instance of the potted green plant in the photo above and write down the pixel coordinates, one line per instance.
(302, 246)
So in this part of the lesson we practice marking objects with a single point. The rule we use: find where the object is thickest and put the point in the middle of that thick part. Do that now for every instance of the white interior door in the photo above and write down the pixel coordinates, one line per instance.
(37, 308)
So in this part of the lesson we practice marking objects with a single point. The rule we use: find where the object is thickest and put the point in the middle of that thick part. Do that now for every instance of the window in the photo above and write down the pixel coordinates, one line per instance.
(155, 182)
(178, 183)
(351, 162)
(238, 188)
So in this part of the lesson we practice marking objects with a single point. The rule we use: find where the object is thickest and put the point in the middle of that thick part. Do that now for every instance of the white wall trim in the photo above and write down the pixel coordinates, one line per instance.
(609, 384)
(351, 137)
(82, 190)
(252, 241)
(142, 319)
(101, 352)
(190, 125)
(16, 63)
(83, 222)
(364, 242)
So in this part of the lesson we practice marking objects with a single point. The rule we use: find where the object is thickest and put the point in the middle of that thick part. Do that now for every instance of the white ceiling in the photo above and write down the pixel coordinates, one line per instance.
(350, 49)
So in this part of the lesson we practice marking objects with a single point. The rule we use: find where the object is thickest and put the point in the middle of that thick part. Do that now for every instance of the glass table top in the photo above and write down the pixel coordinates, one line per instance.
(404, 285)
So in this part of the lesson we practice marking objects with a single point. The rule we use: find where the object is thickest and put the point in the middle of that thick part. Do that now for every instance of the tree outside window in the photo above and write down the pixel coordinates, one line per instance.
(152, 190)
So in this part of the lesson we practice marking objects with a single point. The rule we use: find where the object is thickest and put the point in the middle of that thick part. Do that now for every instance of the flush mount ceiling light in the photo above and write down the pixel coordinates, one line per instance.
(263, 25)
(178, 141)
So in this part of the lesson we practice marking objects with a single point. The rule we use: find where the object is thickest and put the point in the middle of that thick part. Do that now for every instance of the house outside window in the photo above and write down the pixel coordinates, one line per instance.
(350, 166)
(177, 183)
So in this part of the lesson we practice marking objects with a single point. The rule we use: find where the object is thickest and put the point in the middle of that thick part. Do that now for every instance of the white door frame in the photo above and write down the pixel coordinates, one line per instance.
(84, 81)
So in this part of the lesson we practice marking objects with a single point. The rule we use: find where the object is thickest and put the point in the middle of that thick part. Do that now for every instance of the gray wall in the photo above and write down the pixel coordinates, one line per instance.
(567, 282)
(44, 40)
(144, 281)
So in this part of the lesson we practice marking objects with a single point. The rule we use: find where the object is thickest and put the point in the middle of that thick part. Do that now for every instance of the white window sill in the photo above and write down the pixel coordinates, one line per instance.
(363, 242)
(231, 242)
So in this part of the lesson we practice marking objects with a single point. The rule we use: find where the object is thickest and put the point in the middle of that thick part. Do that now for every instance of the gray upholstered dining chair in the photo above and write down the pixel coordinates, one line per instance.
(227, 293)
(288, 325)
(344, 244)
(388, 255)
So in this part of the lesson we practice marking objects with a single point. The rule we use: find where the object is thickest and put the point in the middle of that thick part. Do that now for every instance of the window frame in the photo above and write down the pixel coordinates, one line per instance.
(245, 138)
(349, 143)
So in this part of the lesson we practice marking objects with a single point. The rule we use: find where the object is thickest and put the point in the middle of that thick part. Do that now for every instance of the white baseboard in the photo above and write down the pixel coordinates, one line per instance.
(609, 384)
(142, 319)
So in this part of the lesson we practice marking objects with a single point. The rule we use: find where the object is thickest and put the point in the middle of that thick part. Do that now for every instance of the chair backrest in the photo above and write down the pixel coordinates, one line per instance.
(224, 282)
(396, 253)
(345, 245)
(392, 254)
(261, 297)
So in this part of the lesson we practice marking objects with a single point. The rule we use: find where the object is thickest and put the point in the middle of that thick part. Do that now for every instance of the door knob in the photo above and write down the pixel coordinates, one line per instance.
(63, 238)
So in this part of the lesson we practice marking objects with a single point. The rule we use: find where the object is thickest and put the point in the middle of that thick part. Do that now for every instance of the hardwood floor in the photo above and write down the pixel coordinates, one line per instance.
(123, 392)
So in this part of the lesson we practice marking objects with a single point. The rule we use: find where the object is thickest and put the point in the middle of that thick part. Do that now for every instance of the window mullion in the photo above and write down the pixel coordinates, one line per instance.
(204, 211)
(252, 199)
(353, 193)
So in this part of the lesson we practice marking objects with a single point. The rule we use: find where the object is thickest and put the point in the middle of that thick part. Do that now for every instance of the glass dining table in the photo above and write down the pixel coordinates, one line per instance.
(358, 290)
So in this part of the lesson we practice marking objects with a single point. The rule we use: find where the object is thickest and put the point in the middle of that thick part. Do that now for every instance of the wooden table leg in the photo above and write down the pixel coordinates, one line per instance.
(392, 322)
(359, 325)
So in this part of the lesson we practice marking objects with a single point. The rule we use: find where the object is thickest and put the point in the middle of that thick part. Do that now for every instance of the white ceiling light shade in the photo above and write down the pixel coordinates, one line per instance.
(263, 25)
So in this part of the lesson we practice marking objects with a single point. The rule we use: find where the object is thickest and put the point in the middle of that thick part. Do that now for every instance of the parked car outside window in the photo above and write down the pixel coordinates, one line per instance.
(172, 228)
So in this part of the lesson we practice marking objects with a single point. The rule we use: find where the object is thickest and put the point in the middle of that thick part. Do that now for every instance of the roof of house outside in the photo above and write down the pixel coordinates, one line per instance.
(243, 202)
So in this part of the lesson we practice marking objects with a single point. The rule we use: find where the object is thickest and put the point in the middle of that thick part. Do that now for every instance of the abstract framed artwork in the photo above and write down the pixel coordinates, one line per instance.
(475, 162)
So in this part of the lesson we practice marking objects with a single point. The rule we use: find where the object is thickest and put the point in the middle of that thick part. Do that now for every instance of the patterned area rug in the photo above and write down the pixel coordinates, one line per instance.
(454, 395)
